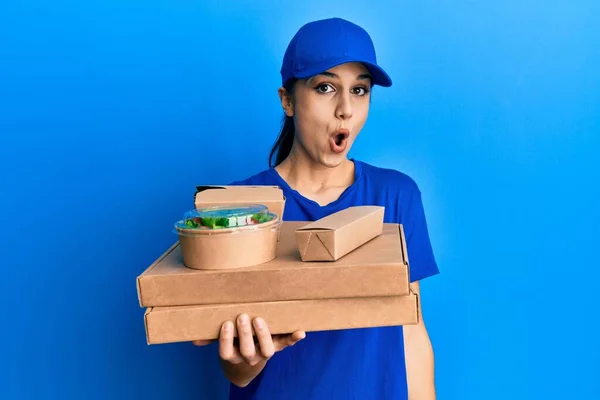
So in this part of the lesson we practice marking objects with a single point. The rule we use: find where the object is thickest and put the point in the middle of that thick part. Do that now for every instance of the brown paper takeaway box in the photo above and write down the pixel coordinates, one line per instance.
(187, 323)
(336, 235)
(269, 196)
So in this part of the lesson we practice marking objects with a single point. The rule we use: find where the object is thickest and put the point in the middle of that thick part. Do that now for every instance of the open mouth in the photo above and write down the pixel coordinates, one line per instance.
(339, 140)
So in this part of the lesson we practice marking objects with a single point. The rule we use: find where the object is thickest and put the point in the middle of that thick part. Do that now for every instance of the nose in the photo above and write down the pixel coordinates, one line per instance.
(344, 107)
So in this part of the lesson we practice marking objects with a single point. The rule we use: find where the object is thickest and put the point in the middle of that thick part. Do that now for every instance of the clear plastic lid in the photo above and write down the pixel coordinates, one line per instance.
(220, 217)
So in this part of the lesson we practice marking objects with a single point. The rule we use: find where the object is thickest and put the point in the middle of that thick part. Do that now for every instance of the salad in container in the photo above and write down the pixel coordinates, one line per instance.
(228, 236)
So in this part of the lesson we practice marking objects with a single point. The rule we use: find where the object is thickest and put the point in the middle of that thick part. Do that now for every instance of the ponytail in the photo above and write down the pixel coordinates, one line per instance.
(283, 146)
(284, 142)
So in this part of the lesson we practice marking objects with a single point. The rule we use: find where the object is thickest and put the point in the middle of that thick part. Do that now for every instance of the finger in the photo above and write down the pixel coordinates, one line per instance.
(298, 336)
(227, 350)
(247, 348)
(295, 337)
(265, 341)
(283, 341)
(202, 342)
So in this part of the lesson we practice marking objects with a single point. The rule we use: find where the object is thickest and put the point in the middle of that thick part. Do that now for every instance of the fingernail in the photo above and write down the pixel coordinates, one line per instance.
(227, 327)
(243, 318)
(259, 323)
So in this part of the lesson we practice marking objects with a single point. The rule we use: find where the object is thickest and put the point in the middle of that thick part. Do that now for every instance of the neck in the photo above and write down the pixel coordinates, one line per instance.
(308, 176)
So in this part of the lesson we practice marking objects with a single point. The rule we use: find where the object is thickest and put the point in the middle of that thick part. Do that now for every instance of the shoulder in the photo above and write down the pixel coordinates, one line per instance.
(401, 192)
(264, 177)
(388, 178)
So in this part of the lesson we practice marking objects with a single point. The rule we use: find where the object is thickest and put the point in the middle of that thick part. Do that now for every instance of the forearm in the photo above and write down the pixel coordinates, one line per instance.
(419, 356)
(241, 374)
(419, 363)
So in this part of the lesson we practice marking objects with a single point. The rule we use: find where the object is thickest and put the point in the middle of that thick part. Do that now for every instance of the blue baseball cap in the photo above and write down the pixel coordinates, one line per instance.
(324, 44)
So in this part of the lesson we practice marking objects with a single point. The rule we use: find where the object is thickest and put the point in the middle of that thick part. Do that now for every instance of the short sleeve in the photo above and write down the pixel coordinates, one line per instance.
(421, 259)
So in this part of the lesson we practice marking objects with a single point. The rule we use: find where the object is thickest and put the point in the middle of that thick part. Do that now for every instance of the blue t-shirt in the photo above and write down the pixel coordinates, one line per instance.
(365, 363)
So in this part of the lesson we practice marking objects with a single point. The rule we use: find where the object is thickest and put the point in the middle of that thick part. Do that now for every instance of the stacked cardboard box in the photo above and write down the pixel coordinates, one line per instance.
(348, 270)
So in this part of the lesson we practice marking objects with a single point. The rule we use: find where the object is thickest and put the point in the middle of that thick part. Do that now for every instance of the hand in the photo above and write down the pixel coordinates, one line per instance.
(247, 350)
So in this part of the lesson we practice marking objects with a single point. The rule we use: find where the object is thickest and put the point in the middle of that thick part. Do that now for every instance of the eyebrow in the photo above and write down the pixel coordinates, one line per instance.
(332, 75)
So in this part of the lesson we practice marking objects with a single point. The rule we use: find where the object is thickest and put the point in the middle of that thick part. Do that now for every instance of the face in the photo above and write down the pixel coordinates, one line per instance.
(329, 111)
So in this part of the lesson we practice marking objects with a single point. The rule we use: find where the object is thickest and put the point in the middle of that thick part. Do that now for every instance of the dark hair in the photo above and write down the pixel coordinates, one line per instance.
(283, 145)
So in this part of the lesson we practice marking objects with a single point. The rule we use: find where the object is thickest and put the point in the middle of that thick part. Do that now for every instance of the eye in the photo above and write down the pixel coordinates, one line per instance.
(360, 91)
(324, 88)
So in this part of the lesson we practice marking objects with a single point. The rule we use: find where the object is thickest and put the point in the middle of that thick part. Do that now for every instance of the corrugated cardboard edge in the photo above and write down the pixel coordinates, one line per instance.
(417, 307)
(146, 314)
(404, 249)
(154, 264)
(178, 317)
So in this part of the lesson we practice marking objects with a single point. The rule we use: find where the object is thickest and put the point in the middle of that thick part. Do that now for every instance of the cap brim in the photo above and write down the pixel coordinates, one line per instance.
(380, 77)
(378, 74)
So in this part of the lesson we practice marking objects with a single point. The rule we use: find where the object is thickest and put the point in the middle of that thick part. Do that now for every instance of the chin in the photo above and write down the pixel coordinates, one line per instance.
(332, 160)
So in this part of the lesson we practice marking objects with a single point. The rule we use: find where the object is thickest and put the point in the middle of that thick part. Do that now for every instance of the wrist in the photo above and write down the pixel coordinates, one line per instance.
(243, 373)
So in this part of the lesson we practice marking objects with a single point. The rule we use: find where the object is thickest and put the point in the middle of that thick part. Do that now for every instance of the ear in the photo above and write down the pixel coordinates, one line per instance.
(286, 101)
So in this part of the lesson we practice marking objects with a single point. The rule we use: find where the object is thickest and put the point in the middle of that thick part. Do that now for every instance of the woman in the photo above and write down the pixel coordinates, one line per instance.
(328, 71)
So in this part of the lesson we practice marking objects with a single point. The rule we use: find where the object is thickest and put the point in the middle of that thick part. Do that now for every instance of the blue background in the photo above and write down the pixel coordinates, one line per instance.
(111, 112)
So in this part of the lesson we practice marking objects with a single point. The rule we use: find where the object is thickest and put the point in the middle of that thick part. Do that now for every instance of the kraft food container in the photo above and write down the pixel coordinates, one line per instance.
(227, 237)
